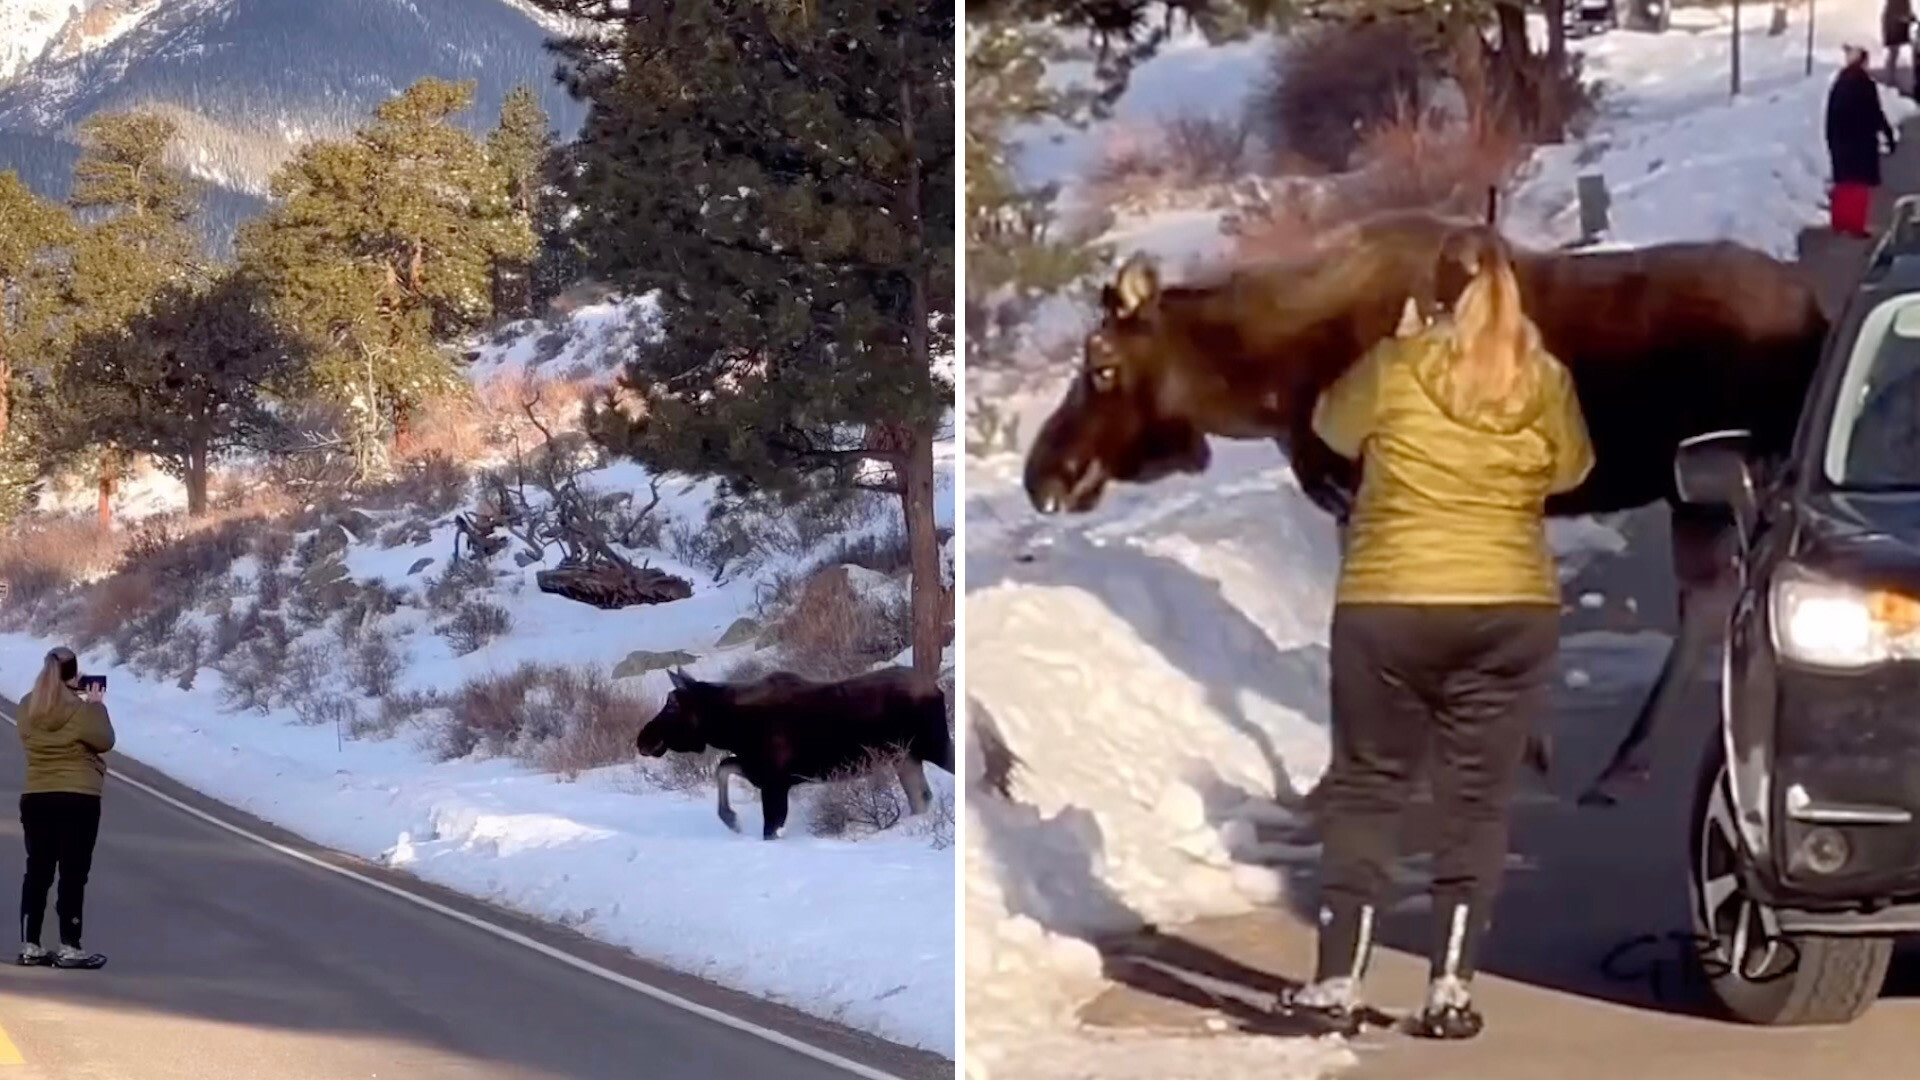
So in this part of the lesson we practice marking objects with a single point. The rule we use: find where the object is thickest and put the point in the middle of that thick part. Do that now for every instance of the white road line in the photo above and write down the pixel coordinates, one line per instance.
(808, 1050)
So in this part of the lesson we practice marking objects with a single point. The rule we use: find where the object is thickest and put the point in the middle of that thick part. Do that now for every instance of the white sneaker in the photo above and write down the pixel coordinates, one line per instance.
(32, 955)
(71, 957)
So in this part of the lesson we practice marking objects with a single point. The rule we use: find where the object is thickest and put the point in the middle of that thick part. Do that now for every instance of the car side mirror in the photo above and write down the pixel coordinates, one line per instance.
(1712, 470)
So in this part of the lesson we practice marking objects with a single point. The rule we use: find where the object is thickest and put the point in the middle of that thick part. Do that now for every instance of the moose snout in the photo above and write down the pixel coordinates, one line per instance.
(1069, 486)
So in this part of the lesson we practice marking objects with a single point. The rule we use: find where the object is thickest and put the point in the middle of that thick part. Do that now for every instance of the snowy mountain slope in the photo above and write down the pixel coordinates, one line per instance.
(250, 81)
(27, 27)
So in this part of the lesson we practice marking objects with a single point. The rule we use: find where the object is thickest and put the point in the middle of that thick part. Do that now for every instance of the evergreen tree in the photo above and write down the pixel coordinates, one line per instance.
(1014, 256)
(35, 243)
(519, 148)
(182, 381)
(784, 175)
(380, 248)
(136, 242)
(562, 259)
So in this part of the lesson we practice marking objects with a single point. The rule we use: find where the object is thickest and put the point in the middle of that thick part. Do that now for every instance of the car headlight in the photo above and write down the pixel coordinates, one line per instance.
(1827, 623)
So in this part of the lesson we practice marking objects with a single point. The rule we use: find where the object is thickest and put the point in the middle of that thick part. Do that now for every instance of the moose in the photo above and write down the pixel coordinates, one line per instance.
(1663, 342)
(781, 731)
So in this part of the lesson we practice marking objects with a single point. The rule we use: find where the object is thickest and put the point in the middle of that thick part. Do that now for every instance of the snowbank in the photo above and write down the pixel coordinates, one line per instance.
(1185, 703)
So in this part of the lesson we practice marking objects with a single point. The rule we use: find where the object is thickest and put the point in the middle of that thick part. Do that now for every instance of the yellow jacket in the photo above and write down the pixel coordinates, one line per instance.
(64, 744)
(1451, 502)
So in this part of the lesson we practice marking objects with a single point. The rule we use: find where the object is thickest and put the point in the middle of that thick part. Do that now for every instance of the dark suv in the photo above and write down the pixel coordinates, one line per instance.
(1806, 847)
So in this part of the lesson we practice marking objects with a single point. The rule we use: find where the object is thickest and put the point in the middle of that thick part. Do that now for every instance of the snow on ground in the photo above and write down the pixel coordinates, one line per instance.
(1187, 700)
(604, 851)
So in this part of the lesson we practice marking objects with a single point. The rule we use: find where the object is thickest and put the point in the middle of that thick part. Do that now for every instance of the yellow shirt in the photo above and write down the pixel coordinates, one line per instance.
(1451, 507)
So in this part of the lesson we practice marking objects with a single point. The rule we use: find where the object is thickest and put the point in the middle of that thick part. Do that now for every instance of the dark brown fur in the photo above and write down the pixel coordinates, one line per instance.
(1663, 343)
(782, 731)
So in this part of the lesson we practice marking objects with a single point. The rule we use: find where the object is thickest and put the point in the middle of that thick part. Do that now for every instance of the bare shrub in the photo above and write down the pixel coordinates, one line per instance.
(371, 602)
(685, 772)
(457, 583)
(252, 674)
(308, 671)
(474, 626)
(1332, 82)
(271, 548)
(1187, 151)
(396, 710)
(940, 819)
(549, 715)
(830, 631)
(40, 558)
(329, 707)
(864, 798)
(377, 664)
(434, 483)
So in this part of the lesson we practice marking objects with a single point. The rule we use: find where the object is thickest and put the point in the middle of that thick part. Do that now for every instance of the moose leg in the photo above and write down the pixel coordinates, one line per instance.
(913, 780)
(1703, 574)
(773, 810)
(727, 767)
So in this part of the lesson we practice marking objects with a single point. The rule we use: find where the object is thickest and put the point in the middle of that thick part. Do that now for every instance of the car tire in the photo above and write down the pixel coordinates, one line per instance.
(1798, 980)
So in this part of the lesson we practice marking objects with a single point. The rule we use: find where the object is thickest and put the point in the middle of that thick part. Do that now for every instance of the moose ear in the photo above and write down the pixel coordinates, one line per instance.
(1136, 285)
(679, 679)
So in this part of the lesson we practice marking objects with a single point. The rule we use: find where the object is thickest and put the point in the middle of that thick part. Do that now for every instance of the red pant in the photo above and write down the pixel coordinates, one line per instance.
(1850, 205)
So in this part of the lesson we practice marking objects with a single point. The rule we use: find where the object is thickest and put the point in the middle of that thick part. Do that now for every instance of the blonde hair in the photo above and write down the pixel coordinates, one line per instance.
(1496, 345)
(49, 689)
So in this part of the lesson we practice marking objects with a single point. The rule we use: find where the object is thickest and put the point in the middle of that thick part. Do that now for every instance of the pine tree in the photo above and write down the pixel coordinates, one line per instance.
(1014, 256)
(519, 147)
(35, 236)
(380, 248)
(137, 241)
(784, 175)
(34, 242)
(183, 380)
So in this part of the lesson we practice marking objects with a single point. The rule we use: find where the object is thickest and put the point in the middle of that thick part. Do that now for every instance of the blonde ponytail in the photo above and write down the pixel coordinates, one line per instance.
(1496, 344)
(49, 689)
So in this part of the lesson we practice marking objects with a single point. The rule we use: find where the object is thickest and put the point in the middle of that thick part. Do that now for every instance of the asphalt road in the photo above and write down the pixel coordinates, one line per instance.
(231, 961)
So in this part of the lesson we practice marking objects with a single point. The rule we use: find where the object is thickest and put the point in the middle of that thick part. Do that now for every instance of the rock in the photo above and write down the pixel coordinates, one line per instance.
(640, 661)
(612, 587)
(419, 565)
(741, 632)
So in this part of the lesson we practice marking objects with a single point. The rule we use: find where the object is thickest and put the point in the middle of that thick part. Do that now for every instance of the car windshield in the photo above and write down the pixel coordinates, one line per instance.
(1874, 443)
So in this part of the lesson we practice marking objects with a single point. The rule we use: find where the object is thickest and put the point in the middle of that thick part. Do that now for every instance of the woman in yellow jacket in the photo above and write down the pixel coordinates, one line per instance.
(64, 732)
(1446, 618)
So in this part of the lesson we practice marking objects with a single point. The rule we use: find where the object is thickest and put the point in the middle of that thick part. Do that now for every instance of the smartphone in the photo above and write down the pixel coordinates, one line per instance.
(93, 683)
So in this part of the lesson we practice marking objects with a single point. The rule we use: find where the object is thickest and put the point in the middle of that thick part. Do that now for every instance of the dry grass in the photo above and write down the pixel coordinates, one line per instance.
(864, 798)
(564, 719)
(830, 631)
(1141, 162)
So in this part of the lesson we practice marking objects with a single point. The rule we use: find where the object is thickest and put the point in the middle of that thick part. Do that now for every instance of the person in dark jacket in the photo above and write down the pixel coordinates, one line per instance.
(1446, 620)
(1896, 33)
(1856, 124)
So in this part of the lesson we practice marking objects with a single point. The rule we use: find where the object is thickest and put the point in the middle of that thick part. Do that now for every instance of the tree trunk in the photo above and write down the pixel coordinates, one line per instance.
(196, 479)
(6, 394)
(1556, 34)
(930, 596)
(109, 476)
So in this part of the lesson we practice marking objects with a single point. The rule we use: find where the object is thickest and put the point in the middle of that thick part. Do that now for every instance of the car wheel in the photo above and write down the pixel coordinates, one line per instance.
(1756, 974)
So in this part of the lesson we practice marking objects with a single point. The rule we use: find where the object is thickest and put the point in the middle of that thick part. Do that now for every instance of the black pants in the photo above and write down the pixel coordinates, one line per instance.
(61, 827)
(1469, 682)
